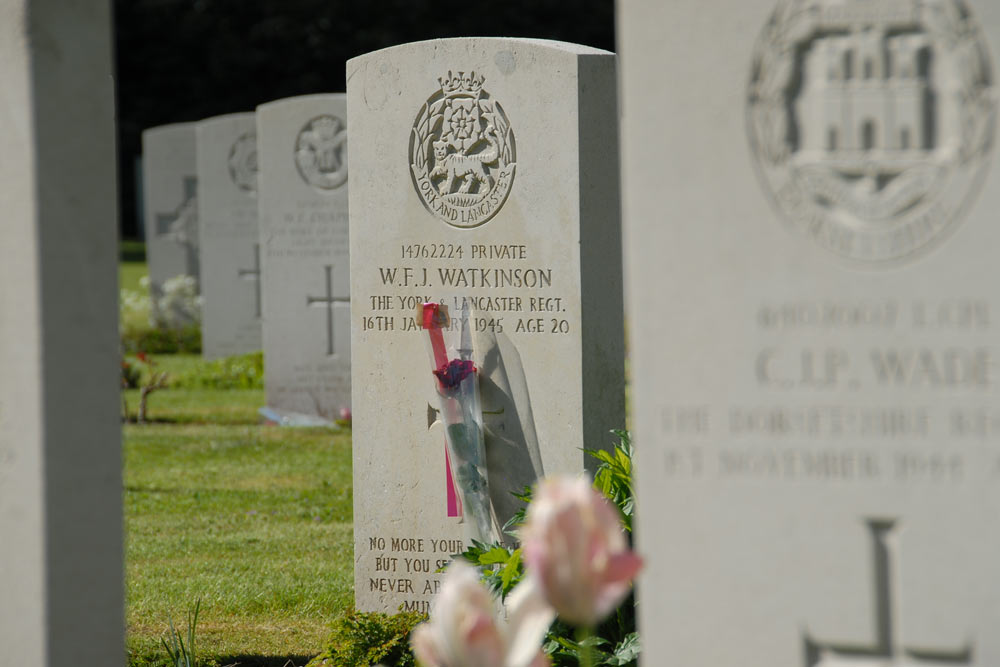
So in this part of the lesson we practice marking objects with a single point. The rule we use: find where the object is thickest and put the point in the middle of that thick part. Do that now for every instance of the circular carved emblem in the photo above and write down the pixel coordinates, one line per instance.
(872, 122)
(462, 152)
(243, 163)
(321, 152)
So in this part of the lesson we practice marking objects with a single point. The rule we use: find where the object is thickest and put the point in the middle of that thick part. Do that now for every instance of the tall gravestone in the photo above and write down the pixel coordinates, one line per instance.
(169, 196)
(490, 177)
(61, 570)
(230, 247)
(811, 239)
(304, 255)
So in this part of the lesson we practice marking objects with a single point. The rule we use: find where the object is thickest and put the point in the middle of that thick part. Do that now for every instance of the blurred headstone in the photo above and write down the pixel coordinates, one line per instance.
(61, 569)
(811, 255)
(140, 203)
(170, 189)
(230, 247)
(304, 255)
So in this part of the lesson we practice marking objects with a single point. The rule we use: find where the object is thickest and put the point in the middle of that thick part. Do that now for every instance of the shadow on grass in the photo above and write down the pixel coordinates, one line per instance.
(149, 489)
(263, 661)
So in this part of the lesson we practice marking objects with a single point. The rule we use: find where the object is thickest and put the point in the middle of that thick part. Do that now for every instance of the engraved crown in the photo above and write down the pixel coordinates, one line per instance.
(461, 83)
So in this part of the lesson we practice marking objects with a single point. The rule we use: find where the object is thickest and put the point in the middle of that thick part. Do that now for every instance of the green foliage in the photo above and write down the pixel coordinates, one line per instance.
(567, 652)
(500, 566)
(182, 655)
(132, 252)
(510, 528)
(614, 476)
(616, 643)
(367, 638)
(244, 371)
(153, 340)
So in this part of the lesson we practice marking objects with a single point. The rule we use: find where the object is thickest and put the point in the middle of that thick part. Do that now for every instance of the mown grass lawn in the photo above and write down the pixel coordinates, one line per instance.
(253, 520)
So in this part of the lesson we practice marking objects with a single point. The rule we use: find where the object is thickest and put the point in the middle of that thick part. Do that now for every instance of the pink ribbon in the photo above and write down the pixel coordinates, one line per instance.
(431, 322)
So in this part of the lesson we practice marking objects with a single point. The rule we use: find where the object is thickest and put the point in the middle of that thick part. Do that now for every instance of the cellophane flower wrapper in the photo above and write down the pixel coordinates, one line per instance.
(457, 382)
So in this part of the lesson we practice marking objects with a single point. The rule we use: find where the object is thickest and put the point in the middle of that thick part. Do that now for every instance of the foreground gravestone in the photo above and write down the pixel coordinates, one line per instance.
(170, 210)
(490, 178)
(304, 255)
(812, 301)
(61, 570)
(230, 247)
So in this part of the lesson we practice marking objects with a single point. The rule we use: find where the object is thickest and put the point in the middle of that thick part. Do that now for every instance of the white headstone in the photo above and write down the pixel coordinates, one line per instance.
(484, 169)
(304, 254)
(170, 201)
(61, 570)
(230, 247)
(811, 240)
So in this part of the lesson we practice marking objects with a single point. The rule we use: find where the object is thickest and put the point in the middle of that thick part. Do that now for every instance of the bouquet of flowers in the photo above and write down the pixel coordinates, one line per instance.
(457, 383)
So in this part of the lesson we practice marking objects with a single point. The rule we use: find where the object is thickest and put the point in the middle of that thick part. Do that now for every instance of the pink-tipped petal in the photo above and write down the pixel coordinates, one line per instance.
(576, 549)
(541, 660)
(623, 567)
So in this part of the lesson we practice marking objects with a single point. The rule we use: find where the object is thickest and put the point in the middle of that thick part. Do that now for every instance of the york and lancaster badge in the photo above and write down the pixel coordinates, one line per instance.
(872, 122)
(462, 152)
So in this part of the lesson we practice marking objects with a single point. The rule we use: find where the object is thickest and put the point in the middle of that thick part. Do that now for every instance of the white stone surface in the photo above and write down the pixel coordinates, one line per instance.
(61, 570)
(814, 329)
(170, 200)
(305, 254)
(227, 222)
(518, 212)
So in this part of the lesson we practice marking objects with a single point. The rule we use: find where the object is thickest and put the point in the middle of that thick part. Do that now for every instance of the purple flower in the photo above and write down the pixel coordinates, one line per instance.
(451, 374)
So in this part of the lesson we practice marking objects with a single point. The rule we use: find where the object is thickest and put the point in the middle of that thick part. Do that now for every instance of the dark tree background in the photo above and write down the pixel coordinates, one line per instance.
(184, 60)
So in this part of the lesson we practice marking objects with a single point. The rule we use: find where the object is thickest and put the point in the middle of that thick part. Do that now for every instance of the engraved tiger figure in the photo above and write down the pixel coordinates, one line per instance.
(469, 169)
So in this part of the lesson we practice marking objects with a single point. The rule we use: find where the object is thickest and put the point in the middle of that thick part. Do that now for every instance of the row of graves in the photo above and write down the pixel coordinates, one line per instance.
(809, 247)
(253, 206)
(256, 205)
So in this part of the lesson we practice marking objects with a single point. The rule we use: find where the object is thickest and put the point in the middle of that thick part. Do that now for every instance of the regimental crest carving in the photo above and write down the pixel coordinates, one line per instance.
(321, 152)
(872, 122)
(243, 163)
(462, 152)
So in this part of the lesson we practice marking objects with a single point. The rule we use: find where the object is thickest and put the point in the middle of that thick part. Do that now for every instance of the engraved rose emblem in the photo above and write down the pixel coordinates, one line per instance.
(462, 152)
(871, 122)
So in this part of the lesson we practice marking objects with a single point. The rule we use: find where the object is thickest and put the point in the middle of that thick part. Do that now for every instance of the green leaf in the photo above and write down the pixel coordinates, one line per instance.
(601, 455)
(613, 476)
(512, 571)
(627, 651)
(594, 641)
(496, 556)
(510, 528)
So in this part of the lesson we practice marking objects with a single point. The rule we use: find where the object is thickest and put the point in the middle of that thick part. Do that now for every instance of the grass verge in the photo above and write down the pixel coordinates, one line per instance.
(254, 520)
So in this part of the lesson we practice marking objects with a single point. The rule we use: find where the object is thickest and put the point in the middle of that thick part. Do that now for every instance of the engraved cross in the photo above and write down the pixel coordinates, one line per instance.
(887, 650)
(165, 222)
(254, 274)
(328, 301)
